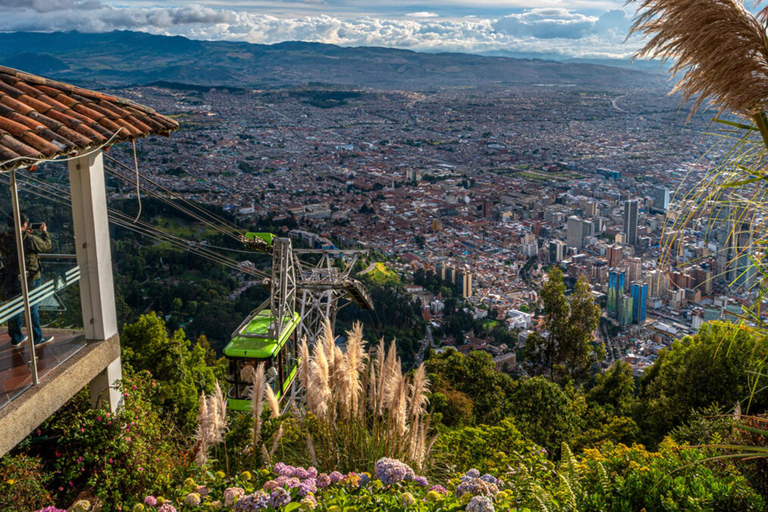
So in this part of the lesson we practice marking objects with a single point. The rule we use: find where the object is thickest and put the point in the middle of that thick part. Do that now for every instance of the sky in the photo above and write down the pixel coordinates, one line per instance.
(594, 29)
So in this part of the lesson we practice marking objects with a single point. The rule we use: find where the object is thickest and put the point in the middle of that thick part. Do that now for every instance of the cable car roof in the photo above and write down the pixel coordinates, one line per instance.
(260, 348)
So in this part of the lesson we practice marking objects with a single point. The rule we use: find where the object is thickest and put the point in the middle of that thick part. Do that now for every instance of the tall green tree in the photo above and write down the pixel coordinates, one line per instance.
(569, 349)
(578, 350)
(179, 368)
(615, 389)
(723, 364)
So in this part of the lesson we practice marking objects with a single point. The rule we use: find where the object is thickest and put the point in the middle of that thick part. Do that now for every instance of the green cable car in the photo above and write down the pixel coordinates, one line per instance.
(252, 345)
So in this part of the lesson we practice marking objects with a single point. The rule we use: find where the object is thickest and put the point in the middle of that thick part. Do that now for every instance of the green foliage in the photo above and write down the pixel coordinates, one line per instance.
(718, 366)
(617, 477)
(114, 456)
(492, 449)
(569, 350)
(615, 389)
(22, 483)
(476, 377)
(543, 412)
(180, 369)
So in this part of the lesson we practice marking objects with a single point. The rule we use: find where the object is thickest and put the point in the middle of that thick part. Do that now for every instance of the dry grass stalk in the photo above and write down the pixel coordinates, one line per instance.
(257, 400)
(203, 432)
(272, 402)
(418, 398)
(718, 46)
(319, 391)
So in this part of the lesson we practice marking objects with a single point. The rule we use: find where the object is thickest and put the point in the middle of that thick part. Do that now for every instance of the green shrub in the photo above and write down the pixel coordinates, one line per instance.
(22, 484)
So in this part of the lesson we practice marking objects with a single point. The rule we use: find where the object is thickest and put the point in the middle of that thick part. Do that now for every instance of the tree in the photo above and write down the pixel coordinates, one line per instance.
(615, 388)
(180, 370)
(556, 316)
(583, 319)
(721, 365)
(569, 348)
(543, 412)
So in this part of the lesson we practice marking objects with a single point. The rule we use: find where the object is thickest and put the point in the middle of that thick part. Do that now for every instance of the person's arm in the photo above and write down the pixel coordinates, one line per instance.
(41, 243)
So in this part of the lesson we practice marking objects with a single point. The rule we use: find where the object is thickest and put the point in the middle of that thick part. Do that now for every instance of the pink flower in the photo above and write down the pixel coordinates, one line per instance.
(82, 429)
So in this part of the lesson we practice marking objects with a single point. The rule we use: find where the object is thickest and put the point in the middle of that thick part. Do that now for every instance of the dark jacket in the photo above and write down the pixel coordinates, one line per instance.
(33, 245)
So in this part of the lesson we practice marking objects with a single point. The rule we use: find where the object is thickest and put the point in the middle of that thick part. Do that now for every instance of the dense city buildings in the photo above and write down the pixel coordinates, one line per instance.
(485, 187)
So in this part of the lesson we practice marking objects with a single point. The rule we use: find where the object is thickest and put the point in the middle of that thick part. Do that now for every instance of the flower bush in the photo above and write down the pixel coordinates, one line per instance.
(114, 457)
(22, 484)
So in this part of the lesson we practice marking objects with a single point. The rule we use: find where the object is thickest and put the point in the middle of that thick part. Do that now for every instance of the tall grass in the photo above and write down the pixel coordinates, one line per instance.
(362, 406)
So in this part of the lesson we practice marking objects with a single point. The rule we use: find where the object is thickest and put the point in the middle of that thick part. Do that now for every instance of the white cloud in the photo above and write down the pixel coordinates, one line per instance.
(422, 14)
(551, 31)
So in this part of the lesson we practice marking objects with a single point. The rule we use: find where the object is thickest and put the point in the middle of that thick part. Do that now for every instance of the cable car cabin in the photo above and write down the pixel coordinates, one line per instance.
(251, 345)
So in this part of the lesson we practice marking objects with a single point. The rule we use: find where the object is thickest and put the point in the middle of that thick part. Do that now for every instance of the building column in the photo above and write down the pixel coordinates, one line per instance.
(97, 292)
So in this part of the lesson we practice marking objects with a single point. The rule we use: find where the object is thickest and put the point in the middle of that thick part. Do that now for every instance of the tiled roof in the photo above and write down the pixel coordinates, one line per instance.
(42, 119)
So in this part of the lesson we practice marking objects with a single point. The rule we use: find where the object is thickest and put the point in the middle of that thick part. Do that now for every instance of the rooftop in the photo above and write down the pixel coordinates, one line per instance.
(42, 119)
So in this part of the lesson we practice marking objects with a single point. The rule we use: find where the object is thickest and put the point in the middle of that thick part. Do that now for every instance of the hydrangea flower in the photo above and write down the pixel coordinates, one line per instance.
(139, 507)
(407, 499)
(353, 480)
(233, 494)
(364, 478)
(301, 473)
(202, 490)
(166, 507)
(336, 477)
(150, 501)
(51, 509)
(323, 481)
(192, 499)
(439, 488)
(215, 505)
(246, 475)
(489, 478)
(473, 473)
(252, 502)
(312, 472)
(421, 480)
(480, 504)
(308, 502)
(308, 486)
(279, 498)
(476, 487)
(391, 471)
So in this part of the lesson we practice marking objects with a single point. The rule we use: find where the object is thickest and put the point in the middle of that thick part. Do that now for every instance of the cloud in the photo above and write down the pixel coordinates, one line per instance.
(557, 32)
(51, 5)
(422, 14)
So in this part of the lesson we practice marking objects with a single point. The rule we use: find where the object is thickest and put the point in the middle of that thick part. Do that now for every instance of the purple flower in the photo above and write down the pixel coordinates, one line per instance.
(202, 490)
(312, 472)
(253, 502)
(364, 478)
(166, 507)
(307, 486)
(51, 509)
(336, 477)
(323, 481)
(150, 501)
(476, 487)
(489, 478)
(421, 480)
(439, 488)
(473, 473)
(301, 473)
(279, 468)
(232, 494)
(270, 484)
(392, 471)
(480, 504)
(279, 498)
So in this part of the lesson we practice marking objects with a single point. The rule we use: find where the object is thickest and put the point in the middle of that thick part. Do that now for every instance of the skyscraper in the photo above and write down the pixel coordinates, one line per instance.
(639, 301)
(661, 198)
(630, 221)
(575, 234)
(614, 254)
(616, 278)
(556, 251)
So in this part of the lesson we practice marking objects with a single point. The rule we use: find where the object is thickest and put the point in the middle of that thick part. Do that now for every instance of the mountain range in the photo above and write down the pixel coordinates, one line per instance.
(125, 57)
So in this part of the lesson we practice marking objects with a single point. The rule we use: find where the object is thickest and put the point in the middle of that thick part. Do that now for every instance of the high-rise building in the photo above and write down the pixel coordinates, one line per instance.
(614, 254)
(464, 284)
(639, 301)
(590, 209)
(625, 310)
(436, 225)
(661, 198)
(557, 250)
(658, 282)
(616, 279)
(575, 233)
(630, 221)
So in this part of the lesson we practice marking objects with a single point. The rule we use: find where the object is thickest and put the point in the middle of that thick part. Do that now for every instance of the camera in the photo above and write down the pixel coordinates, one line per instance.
(36, 226)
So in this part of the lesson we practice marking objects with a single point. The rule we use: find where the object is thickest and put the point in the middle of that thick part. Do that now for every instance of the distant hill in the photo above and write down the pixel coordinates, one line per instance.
(124, 57)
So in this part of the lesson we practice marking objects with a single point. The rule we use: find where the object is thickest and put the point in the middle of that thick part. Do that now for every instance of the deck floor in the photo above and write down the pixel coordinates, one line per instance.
(15, 373)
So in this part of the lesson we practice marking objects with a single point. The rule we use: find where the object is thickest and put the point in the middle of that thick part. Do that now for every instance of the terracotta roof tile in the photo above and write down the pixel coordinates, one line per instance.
(45, 119)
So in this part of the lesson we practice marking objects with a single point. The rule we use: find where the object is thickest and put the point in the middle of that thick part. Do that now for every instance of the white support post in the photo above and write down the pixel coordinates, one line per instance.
(97, 292)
